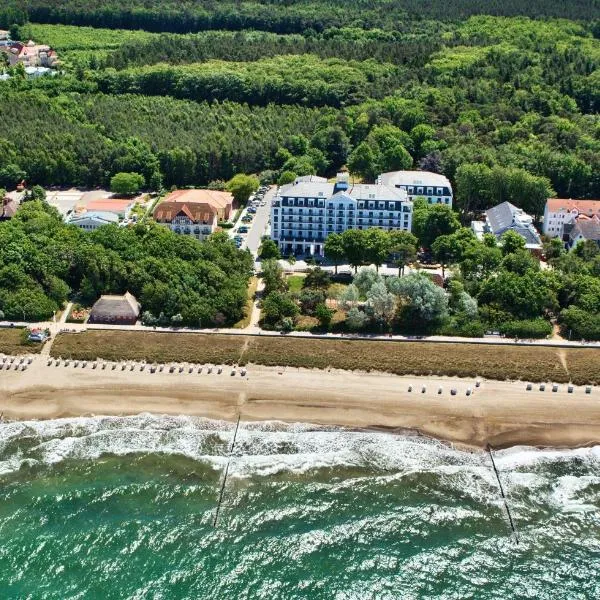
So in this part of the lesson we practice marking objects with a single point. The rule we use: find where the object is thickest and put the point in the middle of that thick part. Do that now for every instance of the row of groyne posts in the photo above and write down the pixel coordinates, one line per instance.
(511, 521)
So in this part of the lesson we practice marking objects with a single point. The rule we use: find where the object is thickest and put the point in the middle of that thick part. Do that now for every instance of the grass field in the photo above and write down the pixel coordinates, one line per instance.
(401, 358)
(153, 347)
(413, 358)
(295, 283)
(11, 342)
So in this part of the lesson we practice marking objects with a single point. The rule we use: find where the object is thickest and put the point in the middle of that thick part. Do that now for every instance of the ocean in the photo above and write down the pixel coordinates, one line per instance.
(115, 508)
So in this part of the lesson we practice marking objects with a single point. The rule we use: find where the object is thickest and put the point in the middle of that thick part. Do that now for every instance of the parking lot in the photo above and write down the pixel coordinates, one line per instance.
(253, 221)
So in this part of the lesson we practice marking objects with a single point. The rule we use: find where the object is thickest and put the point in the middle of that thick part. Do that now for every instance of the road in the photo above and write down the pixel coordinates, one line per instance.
(260, 222)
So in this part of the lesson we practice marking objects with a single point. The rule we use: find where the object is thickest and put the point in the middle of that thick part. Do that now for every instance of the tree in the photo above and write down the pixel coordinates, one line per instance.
(269, 250)
(403, 248)
(377, 244)
(396, 158)
(276, 307)
(242, 187)
(126, 184)
(353, 242)
(37, 192)
(381, 303)
(325, 315)
(334, 249)
(272, 275)
(11, 175)
(422, 299)
(287, 177)
(356, 319)
(348, 297)
(334, 144)
(553, 248)
(511, 242)
(365, 279)
(362, 162)
(431, 222)
(309, 299)
(317, 278)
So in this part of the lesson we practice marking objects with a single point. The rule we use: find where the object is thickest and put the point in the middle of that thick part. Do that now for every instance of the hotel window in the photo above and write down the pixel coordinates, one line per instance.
(430, 191)
(420, 191)
(411, 190)
(440, 191)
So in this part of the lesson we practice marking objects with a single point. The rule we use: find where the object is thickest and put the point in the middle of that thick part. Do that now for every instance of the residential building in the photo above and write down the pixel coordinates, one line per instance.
(560, 212)
(222, 202)
(115, 310)
(8, 208)
(30, 54)
(188, 217)
(91, 220)
(435, 188)
(584, 229)
(303, 214)
(507, 217)
(121, 207)
(4, 35)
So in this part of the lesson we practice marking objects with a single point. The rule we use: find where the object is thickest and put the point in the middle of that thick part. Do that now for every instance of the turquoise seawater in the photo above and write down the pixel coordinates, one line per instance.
(115, 508)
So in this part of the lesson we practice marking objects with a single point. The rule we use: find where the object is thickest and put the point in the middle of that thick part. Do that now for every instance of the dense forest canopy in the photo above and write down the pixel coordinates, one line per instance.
(280, 16)
(44, 262)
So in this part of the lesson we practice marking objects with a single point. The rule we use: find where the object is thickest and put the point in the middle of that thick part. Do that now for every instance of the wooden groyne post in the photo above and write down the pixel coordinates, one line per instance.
(504, 499)
(223, 483)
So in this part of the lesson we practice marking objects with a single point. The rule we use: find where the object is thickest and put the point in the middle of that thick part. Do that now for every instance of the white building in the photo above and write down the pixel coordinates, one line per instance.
(304, 213)
(559, 212)
(92, 220)
(508, 217)
(432, 186)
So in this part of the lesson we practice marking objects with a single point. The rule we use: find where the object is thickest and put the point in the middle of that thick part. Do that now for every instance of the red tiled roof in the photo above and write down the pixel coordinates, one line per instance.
(198, 212)
(109, 205)
(588, 207)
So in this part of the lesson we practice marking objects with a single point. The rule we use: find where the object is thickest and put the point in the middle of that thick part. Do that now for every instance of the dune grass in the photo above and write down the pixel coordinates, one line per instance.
(13, 341)
(149, 346)
(401, 358)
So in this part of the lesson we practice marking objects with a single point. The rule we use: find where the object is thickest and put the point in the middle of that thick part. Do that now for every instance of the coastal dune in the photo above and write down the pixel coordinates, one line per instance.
(498, 413)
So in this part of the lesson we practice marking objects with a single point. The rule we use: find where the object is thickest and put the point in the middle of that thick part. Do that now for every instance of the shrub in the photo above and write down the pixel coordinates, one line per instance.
(533, 328)
(577, 323)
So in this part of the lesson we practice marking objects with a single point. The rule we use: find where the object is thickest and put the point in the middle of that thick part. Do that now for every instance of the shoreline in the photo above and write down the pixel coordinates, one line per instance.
(499, 413)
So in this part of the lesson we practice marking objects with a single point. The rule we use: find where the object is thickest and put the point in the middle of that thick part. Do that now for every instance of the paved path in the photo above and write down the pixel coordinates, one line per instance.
(253, 329)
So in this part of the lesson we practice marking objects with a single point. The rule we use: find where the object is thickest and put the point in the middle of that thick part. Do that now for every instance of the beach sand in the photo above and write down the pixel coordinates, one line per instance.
(498, 413)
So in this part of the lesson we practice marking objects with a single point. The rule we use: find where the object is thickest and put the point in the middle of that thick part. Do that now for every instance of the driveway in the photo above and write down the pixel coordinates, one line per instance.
(260, 223)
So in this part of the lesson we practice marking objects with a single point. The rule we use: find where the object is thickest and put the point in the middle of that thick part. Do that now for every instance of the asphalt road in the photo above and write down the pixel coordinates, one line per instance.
(259, 223)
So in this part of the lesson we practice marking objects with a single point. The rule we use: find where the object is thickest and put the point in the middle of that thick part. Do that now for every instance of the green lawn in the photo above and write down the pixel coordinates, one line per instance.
(295, 283)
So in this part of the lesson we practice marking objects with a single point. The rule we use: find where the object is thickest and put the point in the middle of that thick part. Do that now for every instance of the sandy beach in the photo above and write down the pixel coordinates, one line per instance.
(499, 413)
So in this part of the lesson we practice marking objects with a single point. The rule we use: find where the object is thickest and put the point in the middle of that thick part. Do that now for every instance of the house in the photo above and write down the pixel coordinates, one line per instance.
(4, 35)
(91, 220)
(8, 208)
(584, 229)
(30, 54)
(222, 202)
(304, 213)
(560, 212)
(507, 217)
(420, 184)
(188, 217)
(121, 207)
(115, 310)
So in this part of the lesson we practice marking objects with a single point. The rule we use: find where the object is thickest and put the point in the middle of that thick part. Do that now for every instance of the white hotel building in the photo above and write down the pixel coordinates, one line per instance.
(305, 212)
(435, 188)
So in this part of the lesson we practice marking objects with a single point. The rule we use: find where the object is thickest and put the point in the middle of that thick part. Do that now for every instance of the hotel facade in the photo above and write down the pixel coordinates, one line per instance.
(305, 212)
